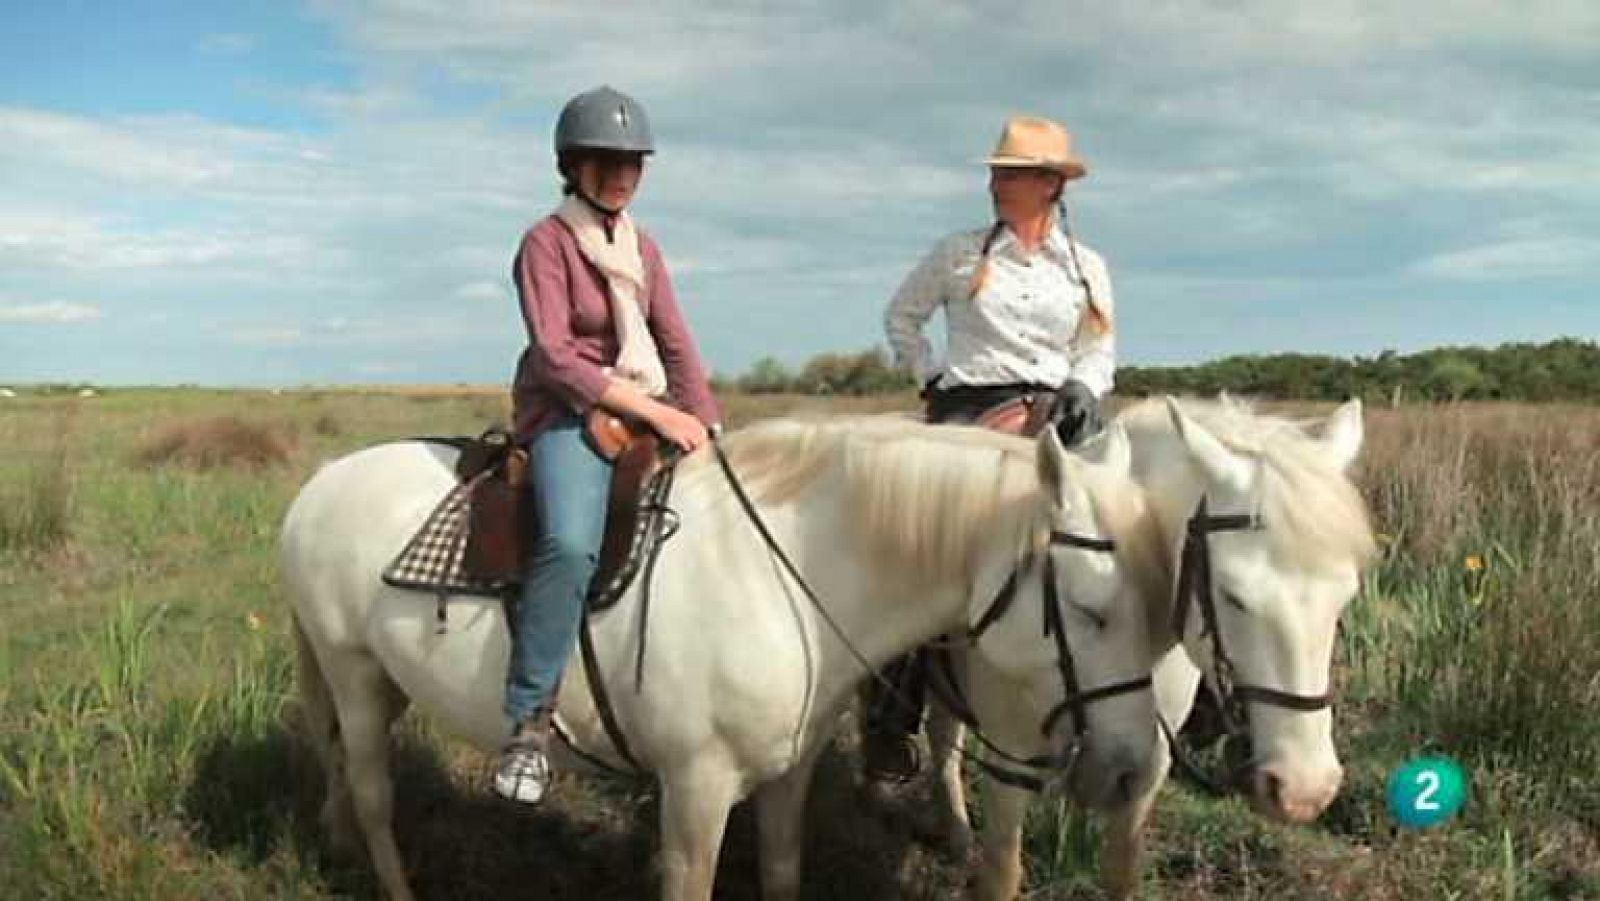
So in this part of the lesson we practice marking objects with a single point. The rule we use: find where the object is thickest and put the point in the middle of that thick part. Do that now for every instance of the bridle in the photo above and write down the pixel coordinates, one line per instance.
(1196, 588)
(1074, 700)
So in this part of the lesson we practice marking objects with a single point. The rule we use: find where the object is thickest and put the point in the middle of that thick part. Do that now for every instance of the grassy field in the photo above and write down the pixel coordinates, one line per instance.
(148, 732)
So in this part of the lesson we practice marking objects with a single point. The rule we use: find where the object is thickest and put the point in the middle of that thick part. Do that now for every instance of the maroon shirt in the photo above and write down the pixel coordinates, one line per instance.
(566, 306)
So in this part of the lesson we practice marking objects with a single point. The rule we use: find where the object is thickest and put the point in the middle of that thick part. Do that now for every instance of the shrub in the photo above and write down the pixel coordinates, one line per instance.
(216, 442)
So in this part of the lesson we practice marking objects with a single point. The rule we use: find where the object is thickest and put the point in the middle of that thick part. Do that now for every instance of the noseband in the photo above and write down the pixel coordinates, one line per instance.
(1195, 587)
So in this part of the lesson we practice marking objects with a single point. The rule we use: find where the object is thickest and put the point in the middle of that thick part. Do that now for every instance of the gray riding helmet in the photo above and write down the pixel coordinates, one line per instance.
(604, 119)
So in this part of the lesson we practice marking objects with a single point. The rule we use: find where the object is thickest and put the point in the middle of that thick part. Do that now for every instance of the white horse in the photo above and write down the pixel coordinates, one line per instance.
(903, 531)
(1267, 538)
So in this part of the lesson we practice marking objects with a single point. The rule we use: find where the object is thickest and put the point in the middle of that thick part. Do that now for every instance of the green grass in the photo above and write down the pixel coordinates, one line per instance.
(148, 732)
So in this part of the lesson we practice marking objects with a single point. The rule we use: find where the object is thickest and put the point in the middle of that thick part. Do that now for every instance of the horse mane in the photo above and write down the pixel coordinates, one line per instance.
(1314, 514)
(929, 500)
(1122, 509)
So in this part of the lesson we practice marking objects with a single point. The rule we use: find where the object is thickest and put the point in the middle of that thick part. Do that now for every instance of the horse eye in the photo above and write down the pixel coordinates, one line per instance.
(1092, 616)
(1235, 602)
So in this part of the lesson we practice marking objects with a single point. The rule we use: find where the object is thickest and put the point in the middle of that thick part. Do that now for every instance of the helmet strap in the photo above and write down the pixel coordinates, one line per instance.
(608, 218)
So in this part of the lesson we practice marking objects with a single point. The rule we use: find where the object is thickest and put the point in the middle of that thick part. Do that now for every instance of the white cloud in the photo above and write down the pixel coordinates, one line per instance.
(50, 312)
(80, 242)
(1525, 258)
(814, 152)
(406, 329)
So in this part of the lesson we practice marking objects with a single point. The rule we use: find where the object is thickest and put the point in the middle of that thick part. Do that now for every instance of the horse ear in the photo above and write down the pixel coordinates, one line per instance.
(1217, 462)
(1109, 449)
(1342, 433)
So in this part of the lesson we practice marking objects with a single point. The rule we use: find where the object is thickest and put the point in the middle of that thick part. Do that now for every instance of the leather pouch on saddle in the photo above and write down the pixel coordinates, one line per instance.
(497, 470)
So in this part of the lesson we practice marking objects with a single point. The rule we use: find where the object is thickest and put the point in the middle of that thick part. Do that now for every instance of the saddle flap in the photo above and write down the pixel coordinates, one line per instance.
(636, 463)
(494, 545)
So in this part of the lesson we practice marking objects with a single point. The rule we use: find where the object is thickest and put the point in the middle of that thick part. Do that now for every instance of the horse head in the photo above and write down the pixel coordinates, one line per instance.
(1074, 635)
(1272, 538)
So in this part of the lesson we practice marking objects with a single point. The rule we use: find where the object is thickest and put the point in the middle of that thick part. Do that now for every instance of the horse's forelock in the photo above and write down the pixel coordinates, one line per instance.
(1124, 513)
(1315, 515)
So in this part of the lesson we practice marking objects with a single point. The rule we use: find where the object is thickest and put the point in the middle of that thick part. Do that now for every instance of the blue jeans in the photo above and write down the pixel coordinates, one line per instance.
(567, 487)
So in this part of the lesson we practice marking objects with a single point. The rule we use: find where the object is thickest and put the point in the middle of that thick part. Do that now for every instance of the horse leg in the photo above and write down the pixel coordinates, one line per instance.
(781, 817)
(368, 703)
(1122, 855)
(945, 734)
(999, 875)
(337, 816)
(695, 799)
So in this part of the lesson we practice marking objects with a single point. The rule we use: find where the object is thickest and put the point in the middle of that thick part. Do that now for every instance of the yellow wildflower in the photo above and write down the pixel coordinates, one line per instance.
(1473, 563)
(253, 620)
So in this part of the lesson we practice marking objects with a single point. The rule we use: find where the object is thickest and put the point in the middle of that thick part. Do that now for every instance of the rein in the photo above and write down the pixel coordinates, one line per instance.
(1195, 587)
(1076, 701)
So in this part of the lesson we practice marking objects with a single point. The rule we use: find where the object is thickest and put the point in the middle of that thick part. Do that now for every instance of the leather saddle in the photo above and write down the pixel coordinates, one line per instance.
(1026, 415)
(499, 524)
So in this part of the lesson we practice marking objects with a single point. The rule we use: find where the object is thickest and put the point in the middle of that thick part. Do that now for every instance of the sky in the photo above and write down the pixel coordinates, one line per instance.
(279, 193)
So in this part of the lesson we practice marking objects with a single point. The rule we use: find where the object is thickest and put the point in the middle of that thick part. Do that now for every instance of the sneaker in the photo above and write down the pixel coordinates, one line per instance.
(523, 773)
(890, 757)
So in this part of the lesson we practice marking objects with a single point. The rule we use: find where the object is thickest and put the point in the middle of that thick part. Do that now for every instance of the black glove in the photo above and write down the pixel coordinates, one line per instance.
(1076, 413)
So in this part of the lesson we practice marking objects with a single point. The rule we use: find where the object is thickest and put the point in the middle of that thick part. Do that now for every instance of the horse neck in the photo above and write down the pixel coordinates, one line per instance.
(889, 617)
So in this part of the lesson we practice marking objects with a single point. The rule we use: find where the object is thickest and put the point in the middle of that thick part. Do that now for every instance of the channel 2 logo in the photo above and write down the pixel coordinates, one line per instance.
(1426, 791)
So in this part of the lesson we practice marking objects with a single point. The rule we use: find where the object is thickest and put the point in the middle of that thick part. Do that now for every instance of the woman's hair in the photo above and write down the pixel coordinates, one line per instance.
(567, 164)
(1097, 318)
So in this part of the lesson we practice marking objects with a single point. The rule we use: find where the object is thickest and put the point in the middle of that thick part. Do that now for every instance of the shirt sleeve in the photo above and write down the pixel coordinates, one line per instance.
(544, 292)
(1094, 353)
(909, 311)
(686, 374)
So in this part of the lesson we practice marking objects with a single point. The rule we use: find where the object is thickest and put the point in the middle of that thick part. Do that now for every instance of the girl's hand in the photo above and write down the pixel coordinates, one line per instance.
(678, 427)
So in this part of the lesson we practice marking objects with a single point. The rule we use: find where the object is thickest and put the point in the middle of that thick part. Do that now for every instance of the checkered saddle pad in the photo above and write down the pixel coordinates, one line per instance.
(434, 559)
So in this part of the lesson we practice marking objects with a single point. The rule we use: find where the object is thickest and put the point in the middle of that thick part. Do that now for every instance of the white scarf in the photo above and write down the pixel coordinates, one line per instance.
(638, 359)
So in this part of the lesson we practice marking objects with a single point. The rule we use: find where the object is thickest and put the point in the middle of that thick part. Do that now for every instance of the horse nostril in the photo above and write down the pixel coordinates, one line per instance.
(1125, 786)
(1274, 788)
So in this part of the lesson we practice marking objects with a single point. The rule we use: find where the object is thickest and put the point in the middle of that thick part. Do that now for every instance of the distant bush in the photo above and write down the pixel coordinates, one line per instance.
(849, 374)
(215, 442)
(1566, 369)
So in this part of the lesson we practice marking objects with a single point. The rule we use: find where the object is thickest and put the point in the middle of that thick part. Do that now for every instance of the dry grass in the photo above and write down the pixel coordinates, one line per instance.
(155, 758)
(216, 442)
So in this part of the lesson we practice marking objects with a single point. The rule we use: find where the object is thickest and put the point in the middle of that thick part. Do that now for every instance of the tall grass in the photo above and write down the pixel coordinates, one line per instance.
(147, 747)
(36, 501)
(1489, 594)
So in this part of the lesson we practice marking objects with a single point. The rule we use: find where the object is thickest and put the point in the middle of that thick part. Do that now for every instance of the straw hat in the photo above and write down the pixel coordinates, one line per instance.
(1035, 143)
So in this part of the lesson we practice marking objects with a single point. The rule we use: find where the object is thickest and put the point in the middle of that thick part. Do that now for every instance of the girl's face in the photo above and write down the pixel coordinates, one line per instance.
(610, 177)
(1021, 194)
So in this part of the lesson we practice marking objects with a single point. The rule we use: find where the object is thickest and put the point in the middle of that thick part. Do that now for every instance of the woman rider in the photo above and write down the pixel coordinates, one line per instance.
(604, 330)
(1027, 309)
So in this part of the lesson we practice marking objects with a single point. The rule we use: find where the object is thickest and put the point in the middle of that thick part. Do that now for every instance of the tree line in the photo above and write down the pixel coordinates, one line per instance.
(1566, 369)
